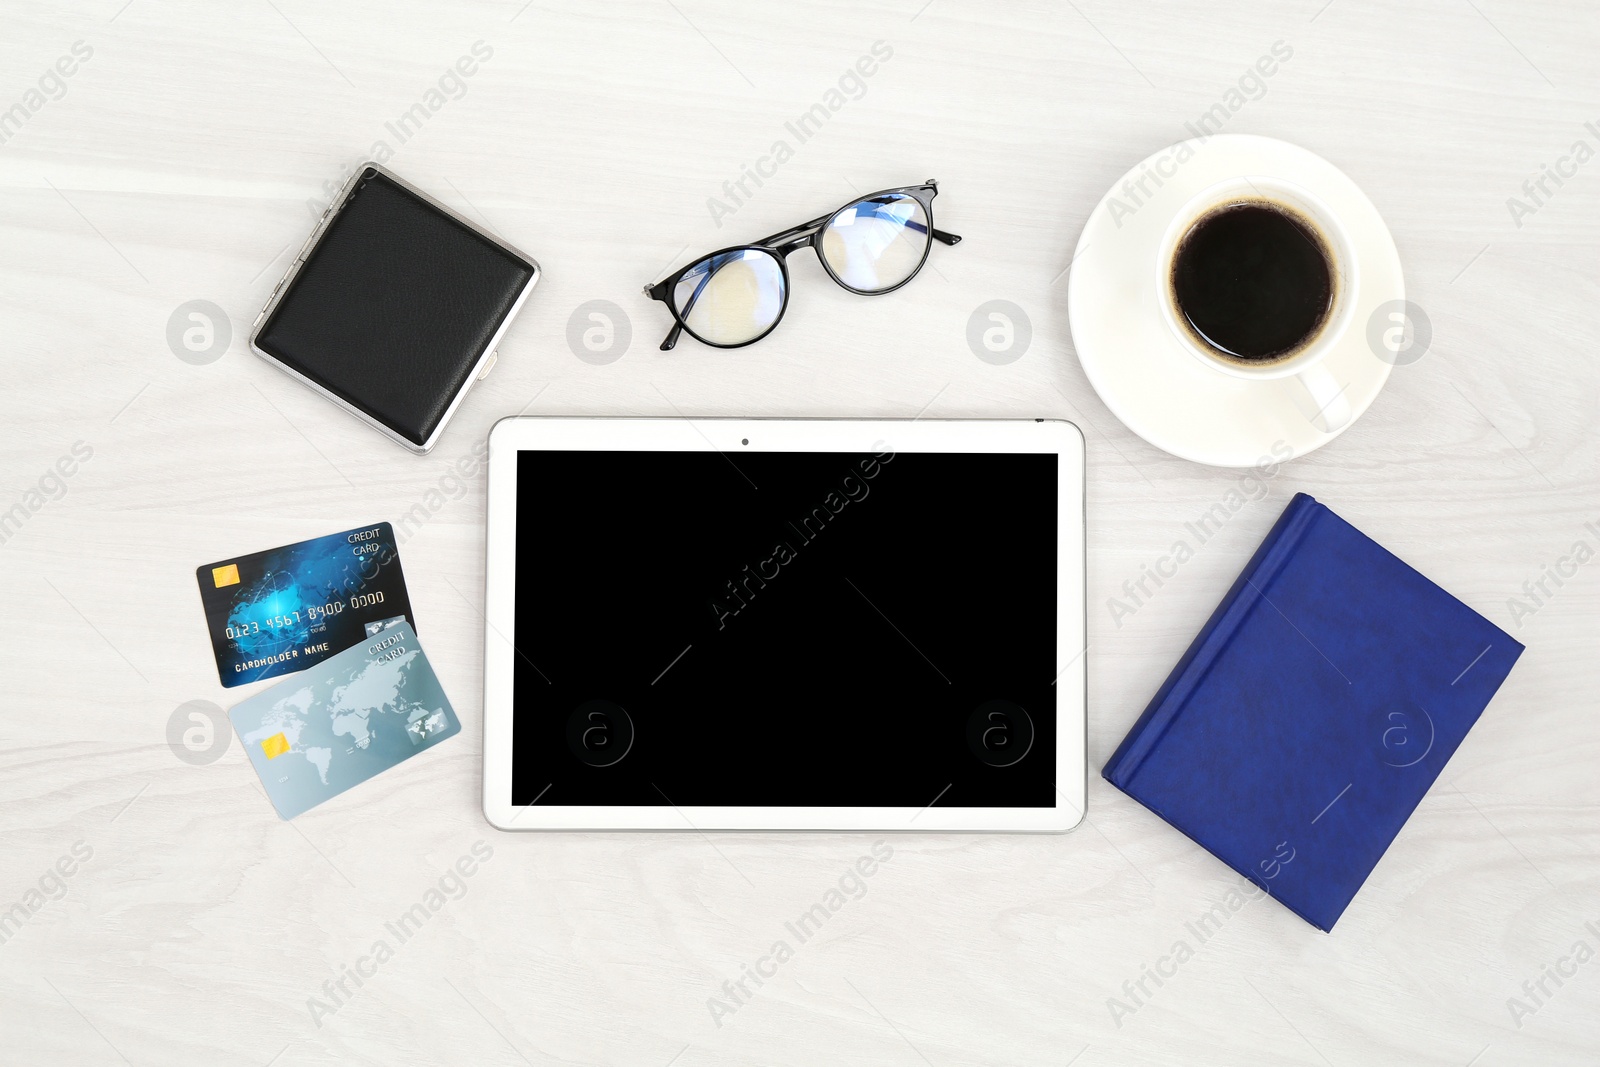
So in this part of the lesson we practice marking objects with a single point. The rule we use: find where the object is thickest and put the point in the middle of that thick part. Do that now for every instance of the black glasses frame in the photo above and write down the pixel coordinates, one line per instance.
(779, 245)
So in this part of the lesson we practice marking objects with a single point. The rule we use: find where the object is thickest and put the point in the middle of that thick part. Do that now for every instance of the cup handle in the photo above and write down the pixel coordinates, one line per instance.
(1322, 400)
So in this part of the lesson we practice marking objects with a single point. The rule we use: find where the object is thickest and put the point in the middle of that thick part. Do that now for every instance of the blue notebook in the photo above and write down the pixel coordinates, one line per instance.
(1319, 703)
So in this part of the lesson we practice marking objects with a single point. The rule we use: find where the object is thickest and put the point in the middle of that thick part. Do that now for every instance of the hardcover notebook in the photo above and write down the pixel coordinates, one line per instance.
(1317, 706)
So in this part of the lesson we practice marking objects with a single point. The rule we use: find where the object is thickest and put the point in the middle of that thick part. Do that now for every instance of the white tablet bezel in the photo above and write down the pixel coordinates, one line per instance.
(512, 435)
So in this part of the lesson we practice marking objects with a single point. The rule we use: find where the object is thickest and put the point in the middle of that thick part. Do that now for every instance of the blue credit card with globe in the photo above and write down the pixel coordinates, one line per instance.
(285, 609)
(343, 721)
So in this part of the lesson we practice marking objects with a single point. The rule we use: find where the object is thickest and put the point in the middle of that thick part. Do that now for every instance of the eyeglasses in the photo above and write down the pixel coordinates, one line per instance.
(736, 296)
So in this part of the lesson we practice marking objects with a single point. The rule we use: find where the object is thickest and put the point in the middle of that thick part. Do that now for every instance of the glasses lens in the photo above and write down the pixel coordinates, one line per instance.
(731, 298)
(876, 243)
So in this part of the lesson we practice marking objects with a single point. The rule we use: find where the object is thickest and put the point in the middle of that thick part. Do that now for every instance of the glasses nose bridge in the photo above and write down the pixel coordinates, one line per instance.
(795, 243)
(792, 240)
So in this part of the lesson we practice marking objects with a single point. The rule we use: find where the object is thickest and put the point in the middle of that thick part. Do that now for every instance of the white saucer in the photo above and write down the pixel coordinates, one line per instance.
(1159, 390)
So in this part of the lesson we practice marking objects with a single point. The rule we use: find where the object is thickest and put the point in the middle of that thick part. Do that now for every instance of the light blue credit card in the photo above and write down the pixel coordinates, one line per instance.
(344, 720)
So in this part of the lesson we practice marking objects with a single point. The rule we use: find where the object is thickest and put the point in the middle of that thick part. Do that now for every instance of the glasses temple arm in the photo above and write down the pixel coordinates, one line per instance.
(716, 264)
(659, 292)
(937, 234)
(700, 286)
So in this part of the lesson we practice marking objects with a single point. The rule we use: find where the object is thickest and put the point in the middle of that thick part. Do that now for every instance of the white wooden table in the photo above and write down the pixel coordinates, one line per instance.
(175, 163)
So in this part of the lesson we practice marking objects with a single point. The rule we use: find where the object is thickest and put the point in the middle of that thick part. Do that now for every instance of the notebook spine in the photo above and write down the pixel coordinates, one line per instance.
(1243, 598)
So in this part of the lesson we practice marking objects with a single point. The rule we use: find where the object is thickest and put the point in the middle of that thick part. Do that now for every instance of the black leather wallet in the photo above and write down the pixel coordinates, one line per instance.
(394, 307)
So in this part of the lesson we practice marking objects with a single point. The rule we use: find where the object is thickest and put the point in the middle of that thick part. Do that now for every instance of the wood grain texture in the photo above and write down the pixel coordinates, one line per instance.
(177, 166)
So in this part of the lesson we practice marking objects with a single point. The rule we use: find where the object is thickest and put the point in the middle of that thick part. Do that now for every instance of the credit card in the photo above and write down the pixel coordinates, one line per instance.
(344, 720)
(286, 609)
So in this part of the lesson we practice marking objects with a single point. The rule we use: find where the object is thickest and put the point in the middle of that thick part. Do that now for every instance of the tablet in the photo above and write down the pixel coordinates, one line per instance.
(784, 625)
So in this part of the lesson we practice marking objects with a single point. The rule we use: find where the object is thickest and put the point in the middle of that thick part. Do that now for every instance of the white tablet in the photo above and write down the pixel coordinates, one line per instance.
(752, 624)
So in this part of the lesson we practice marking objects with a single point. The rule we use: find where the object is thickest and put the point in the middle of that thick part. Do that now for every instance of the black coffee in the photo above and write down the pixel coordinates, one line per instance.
(1253, 281)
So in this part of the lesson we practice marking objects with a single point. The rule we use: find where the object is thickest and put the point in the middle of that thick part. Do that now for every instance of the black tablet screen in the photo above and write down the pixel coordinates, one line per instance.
(792, 629)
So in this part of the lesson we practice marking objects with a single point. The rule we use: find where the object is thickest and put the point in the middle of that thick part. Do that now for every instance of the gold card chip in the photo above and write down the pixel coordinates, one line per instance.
(228, 575)
(275, 746)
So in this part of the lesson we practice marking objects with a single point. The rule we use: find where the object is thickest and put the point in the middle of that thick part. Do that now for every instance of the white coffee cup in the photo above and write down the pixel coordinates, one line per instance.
(1321, 396)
